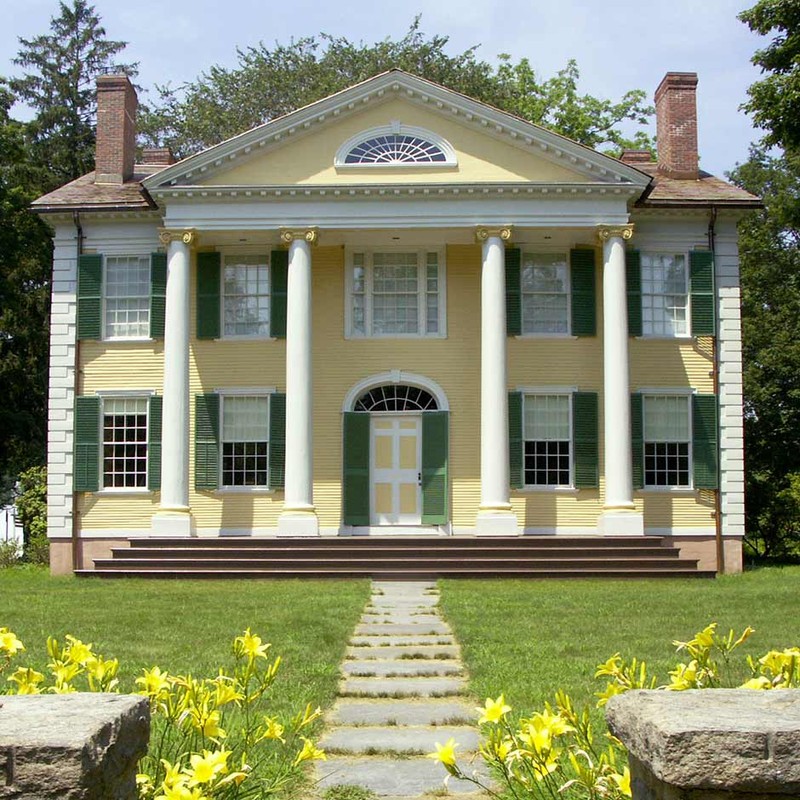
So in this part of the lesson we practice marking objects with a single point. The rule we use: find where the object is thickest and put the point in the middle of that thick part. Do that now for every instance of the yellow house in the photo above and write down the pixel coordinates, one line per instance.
(401, 313)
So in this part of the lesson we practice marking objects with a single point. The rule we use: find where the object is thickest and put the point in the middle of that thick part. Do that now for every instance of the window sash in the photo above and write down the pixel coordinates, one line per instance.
(665, 294)
(126, 296)
(245, 440)
(667, 439)
(547, 440)
(545, 293)
(125, 442)
(245, 296)
(395, 293)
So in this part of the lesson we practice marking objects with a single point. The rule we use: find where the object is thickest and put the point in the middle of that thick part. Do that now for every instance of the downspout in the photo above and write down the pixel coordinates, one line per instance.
(77, 556)
(716, 348)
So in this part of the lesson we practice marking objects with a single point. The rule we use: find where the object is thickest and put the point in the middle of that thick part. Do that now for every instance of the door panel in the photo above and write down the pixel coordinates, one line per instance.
(395, 470)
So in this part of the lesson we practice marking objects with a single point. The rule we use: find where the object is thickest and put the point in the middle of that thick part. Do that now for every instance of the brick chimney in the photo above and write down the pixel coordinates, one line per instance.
(676, 125)
(116, 129)
(157, 156)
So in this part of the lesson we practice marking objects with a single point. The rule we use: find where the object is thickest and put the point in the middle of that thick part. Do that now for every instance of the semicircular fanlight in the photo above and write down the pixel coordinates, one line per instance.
(395, 148)
(396, 397)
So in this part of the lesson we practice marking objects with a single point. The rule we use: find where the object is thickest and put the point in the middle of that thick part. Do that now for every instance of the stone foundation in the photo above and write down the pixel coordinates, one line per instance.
(704, 549)
(61, 559)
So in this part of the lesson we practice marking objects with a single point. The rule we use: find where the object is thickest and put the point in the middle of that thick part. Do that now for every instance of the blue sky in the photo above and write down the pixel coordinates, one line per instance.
(619, 44)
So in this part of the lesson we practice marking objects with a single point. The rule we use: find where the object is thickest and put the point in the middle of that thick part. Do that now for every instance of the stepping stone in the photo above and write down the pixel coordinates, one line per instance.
(388, 628)
(399, 619)
(426, 640)
(381, 601)
(409, 666)
(401, 587)
(389, 777)
(401, 687)
(405, 653)
(407, 711)
(398, 740)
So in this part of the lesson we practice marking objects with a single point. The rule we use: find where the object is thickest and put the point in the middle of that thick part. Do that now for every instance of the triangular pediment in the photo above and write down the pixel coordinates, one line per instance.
(486, 146)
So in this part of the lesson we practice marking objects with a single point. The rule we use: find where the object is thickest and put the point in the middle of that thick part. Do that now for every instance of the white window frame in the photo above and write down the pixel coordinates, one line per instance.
(124, 394)
(556, 391)
(544, 334)
(398, 128)
(243, 392)
(672, 253)
(104, 298)
(261, 337)
(668, 392)
(422, 263)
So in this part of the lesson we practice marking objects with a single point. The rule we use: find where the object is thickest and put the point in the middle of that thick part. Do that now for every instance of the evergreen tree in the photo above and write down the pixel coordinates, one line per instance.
(59, 85)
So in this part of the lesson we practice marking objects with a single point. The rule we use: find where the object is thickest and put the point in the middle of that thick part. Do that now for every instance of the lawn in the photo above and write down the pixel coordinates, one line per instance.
(188, 626)
(530, 638)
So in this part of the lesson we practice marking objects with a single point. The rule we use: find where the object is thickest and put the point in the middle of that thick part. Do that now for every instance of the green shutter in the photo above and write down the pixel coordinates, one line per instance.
(585, 440)
(701, 281)
(584, 305)
(435, 429)
(515, 439)
(208, 300)
(513, 292)
(158, 294)
(90, 296)
(355, 494)
(637, 440)
(279, 275)
(633, 279)
(206, 441)
(704, 440)
(277, 440)
(154, 443)
(87, 444)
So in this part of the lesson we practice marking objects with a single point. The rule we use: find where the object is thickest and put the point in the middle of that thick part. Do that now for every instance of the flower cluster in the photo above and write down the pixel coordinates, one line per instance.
(201, 726)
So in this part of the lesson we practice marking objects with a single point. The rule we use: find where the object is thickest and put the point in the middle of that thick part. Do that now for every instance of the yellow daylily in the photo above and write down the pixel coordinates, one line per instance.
(77, 652)
(309, 752)
(623, 781)
(154, 682)
(272, 729)
(493, 711)
(445, 754)
(9, 643)
(760, 682)
(27, 680)
(205, 768)
(251, 645)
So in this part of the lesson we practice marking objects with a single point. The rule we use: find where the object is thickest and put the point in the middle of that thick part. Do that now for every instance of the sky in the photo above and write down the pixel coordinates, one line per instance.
(618, 44)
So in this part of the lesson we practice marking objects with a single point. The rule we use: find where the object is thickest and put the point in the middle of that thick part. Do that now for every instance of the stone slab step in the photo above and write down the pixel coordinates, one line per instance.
(408, 666)
(402, 687)
(423, 601)
(389, 777)
(402, 589)
(416, 628)
(425, 640)
(405, 653)
(409, 741)
(408, 711)
(395, 617)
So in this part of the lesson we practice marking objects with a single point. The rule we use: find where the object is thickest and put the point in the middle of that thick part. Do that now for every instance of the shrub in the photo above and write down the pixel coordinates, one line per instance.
(555, 753)
(9, 554)
(212, 738)
(31, 502)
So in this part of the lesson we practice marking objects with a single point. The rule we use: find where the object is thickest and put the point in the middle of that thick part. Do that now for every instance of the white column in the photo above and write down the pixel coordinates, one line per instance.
(619, 514)
(173, 517)
(299, 517)
(495, 516)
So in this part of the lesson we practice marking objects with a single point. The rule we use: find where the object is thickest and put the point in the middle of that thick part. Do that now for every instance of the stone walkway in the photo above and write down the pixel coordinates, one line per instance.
(402, 691)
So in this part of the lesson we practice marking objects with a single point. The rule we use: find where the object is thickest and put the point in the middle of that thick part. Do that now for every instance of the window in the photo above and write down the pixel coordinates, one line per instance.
(245, 296)
(127, 297)
(547, 437)
(396, 293)
(396, 397)
(665, 295)
(395, 148)
(125, 442)
(667, 439)
(245, 440)
(545, 293)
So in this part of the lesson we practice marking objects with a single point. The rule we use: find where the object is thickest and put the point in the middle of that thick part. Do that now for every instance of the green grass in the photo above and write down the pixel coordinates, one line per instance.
(529, 638)
(188, 626)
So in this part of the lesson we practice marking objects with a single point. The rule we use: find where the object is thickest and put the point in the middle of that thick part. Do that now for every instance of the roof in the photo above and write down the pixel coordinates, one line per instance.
(705, 191)
(83, 194)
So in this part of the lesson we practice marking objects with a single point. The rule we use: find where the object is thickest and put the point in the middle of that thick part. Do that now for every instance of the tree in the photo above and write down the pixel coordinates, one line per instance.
(775, 100)
(271, 82)
(59, 85)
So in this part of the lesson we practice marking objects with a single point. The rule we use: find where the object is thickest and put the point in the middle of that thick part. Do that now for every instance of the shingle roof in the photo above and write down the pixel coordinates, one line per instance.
(83, 194)
(706, 190)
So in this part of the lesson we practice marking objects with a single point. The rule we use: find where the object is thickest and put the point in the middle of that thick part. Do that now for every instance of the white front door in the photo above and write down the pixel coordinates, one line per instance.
(395, 469)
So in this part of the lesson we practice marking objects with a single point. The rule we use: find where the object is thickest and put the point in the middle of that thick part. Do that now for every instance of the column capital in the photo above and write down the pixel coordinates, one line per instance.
(166, 235)
(605, 232)
(483, 233)
(289, 235)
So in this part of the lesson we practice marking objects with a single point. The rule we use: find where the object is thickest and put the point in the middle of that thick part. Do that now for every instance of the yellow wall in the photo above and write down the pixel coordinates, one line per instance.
(309, 158)
(338, 364)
